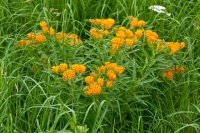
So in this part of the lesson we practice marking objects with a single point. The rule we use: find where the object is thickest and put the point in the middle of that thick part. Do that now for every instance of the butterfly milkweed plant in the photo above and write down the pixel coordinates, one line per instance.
(113, 76)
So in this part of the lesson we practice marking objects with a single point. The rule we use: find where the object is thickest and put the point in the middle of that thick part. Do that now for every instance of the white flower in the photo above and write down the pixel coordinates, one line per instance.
(159, 9)
(168, 14)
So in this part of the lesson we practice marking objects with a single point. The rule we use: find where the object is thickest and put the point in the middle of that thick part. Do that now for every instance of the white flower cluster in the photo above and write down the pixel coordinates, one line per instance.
(159, 9)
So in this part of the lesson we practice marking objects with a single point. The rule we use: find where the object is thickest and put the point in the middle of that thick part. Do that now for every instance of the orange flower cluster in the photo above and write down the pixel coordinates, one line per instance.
(105, 23)
(126, 36)
(152, 37)
(169, 73)
(99, 33)
(31, 35)
(40, 38)
(61, 36)
(111, 66)
(51, 31)
(44, 26)
(78, 68)
(95, 81)
(111, 70)
(23, 42)
(93, 89)
(46, 29)
(139, 33)
(68, 74)
(71, 39)
(175, 46)
(178, 69)
(136, 23)
(95, 84)
(32, 39)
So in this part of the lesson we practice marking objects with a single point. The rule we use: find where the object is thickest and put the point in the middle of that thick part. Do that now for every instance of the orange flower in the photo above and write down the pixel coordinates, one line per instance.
(106, 32)
(111, 66)
(141, 23)
(93, 89)
(43, 24)
(89, 79)
(78, 68)
(138, 33)
(182, 69)
(129, 42)
(129, 33)
(151, 37)
(95, 33)
(72, 36)
(134, 38)
(119, 70)
(86, 90)
(95, 21)
(168, 74)
(114, 48)
(107, 63)
(68, 74)
(31, 35)
(40, 38)
(61, 35)
(178, 69)
(101, 69)
(107, 23)
(182, 45)
(93, 74)
(73, 41)
(55, 69)
(100, 81)
(175, 46)
(82, 68)
(45, 29)
(161, 47)
(109, 83)
(120, 34)
(51, 32)
(27, 41)
(121, 28)
(96, 89)
(111, 75)
(75, 67)
(21, 42)
(174, 49)
(134, 22)
(77, 41)
(63, 67)
(118, 41)
(92, 21)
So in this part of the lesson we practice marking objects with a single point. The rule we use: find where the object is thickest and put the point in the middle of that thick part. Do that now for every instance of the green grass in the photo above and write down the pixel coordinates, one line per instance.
(141, 100)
